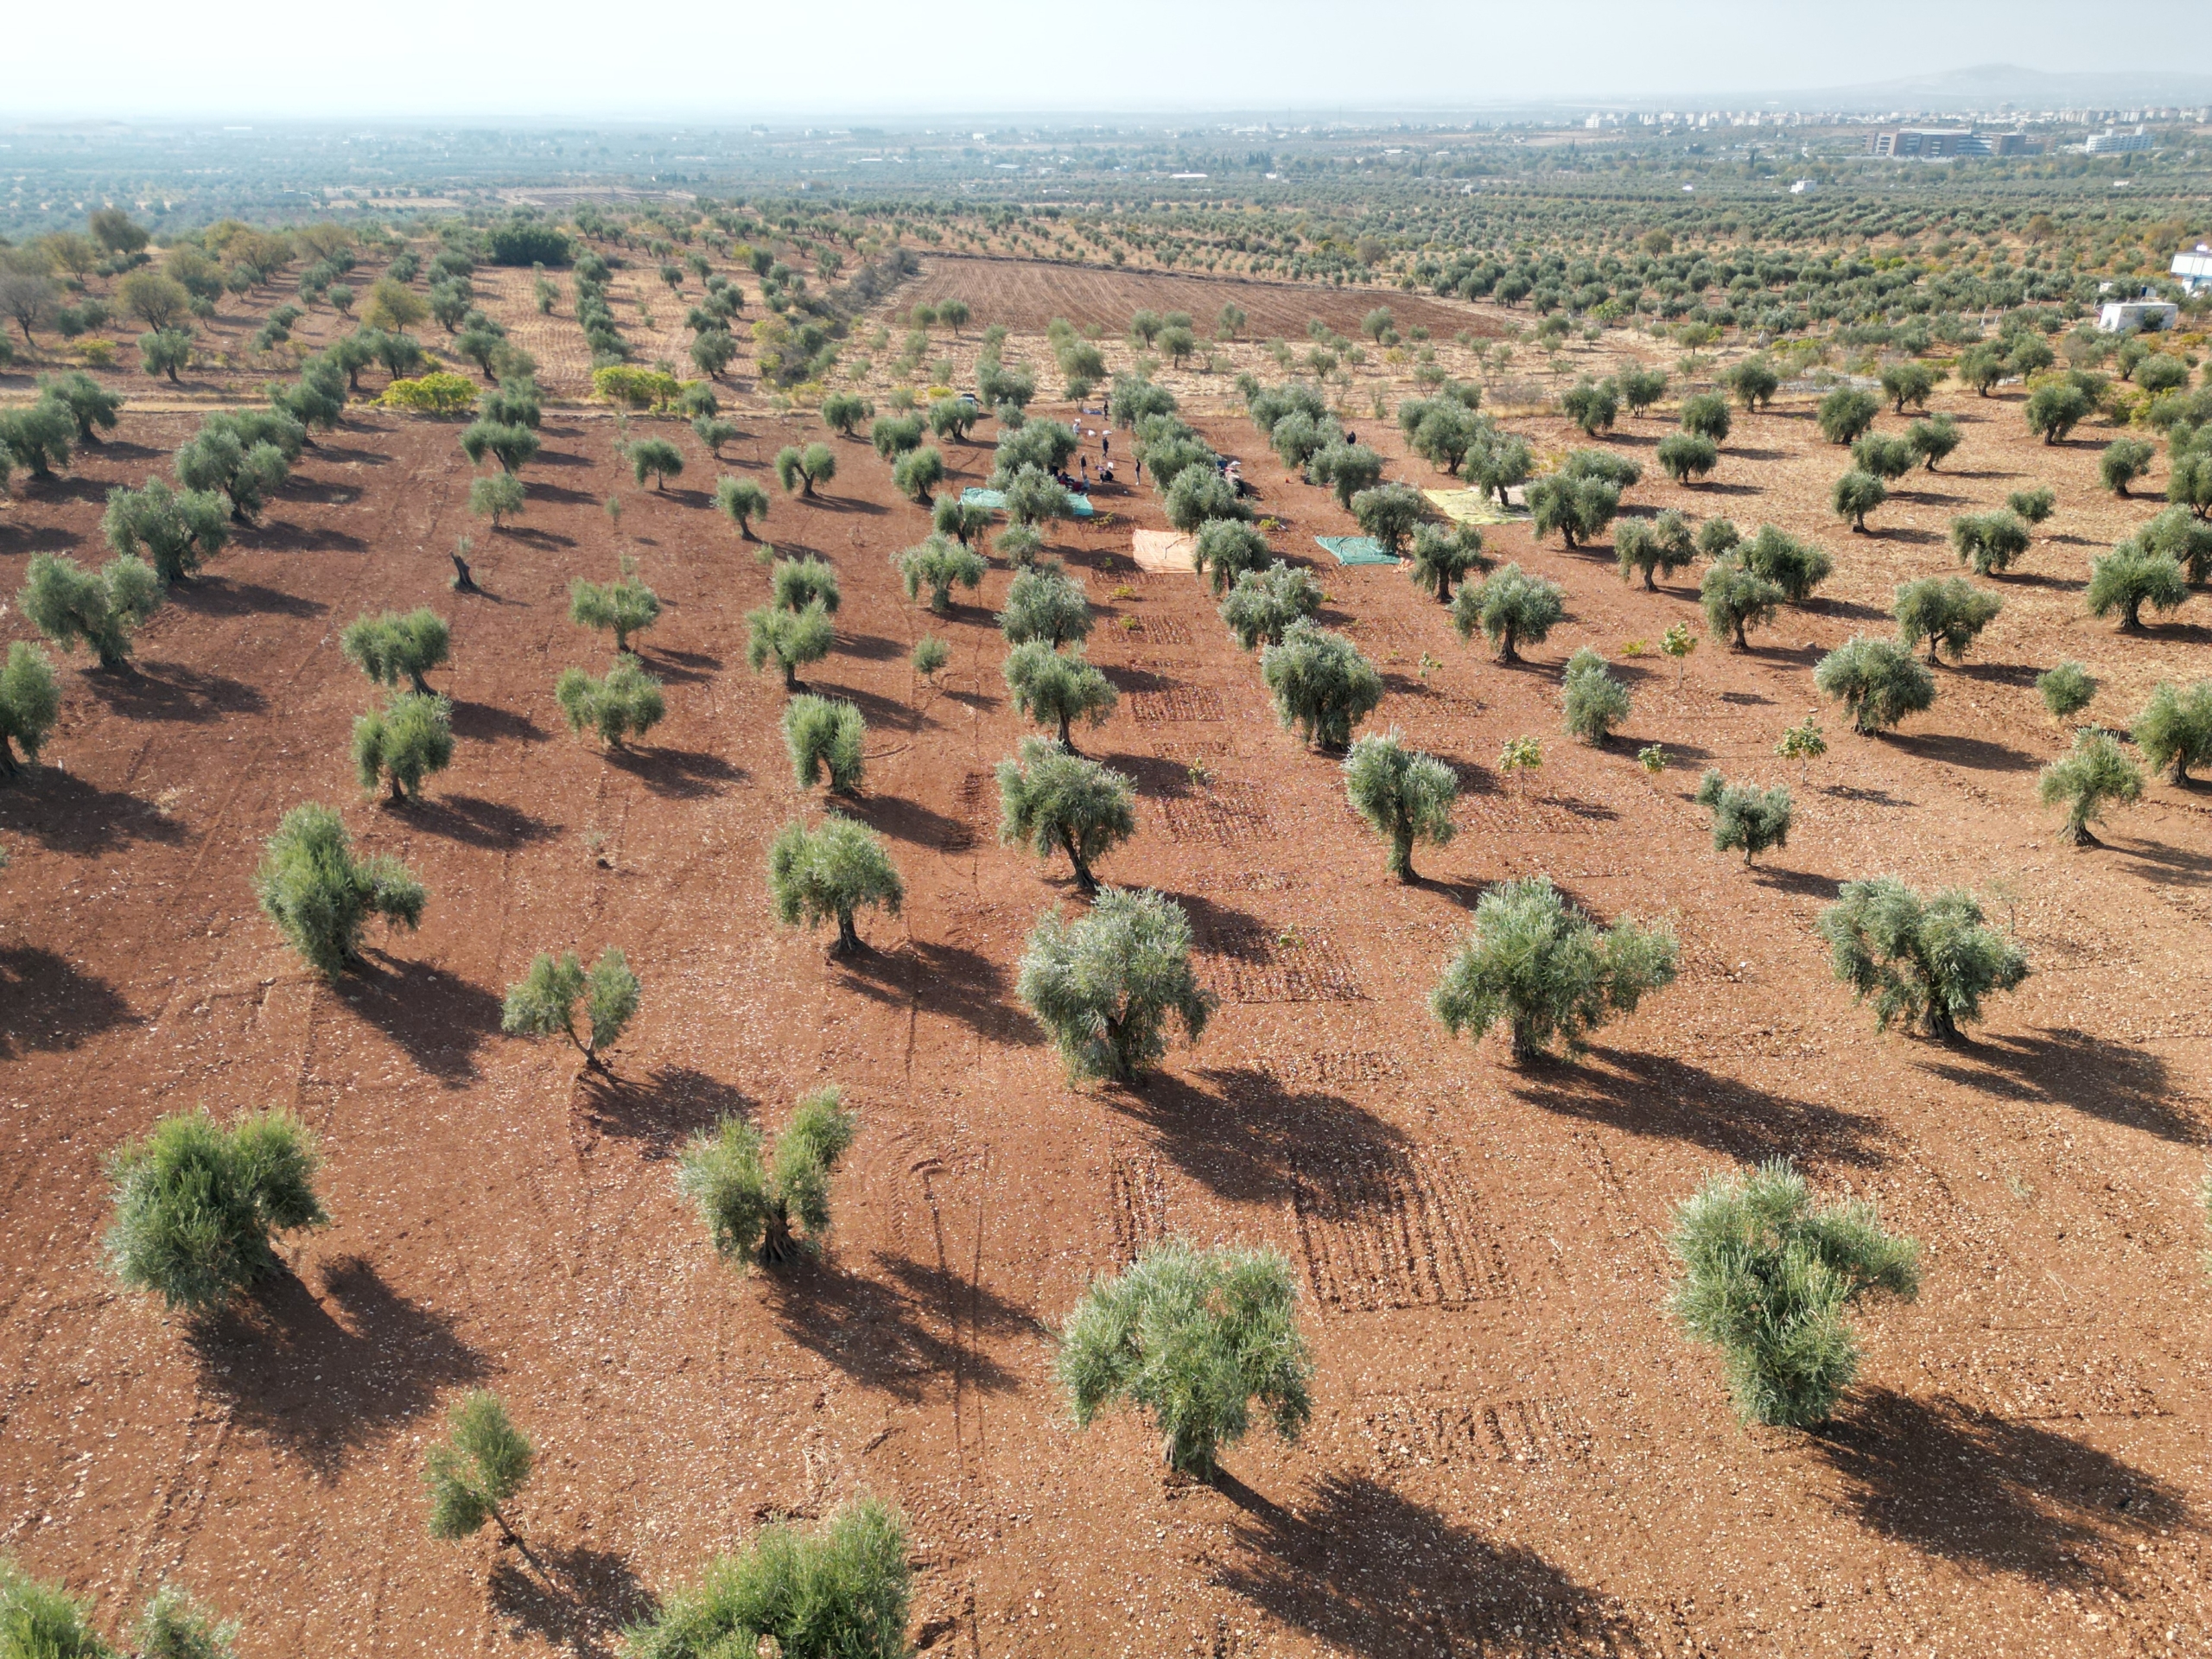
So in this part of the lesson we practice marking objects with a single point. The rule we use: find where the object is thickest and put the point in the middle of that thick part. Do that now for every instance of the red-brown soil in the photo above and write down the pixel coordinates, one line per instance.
(1513, 1450)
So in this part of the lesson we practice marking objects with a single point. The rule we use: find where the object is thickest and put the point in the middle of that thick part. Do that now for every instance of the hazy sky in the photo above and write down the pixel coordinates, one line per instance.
(732, 60)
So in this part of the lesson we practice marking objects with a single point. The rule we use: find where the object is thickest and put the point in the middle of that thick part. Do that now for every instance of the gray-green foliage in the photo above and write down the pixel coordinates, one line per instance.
(321, 898)
(1925, 961)
(1321, 683)
(1405, 796)
(1441, 557)
(1106, 986)
(2129, 577)
(962, 520)
(825, 737)
(740, 500)
(391, 647)
(1844, 414)
(480, 1466)
(830, 873)
(623, 607)
(173, 1625)
(1768, 1278)
(933, 567)
(1685, 457)
(2067, 689)
(1857, 493)
(1949, 613)
(1878, 681)
(1933, 439)
(1744, 815)
(1266, 602)
(1056, 689)
(2185, 537)
(1224, 549)
(1795, 567)
(791, 639)
(930, 654)
(2034, 506)
(1511, 607)
(2096, 772)
(197, 1204)
(918, 471)
(1653, 546)
(2123, 461)
(404, 743)
(175, 530)
(1197, 1340)
(1578, 507)
(1989, 542)
(2174, 731)
(1538, 964)
(1593, 701)
(794, 584)
(1706, 416)
(1887, 458)
(71, 605)
(626, 703)
(545, 1001)
(839, 1593)
(1199, 493)
(1052, 801)
(1045, 604)
(499, 497)
(31, 701)
(767, 1209)
(1735, 601)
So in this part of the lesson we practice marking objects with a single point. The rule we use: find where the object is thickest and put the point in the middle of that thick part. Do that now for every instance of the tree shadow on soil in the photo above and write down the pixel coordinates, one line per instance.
(487, 723)
(581, 1601)
(881, 1336)
(226, 596)
(2170, 866)
(47, 1002)
(677, 774)
(67, 814)
(1370, 1571)
(661, 1109)
(1249, 1137)
(679, 667)
(322, 1377)
(904, 820)
(946, 979)
(478, 822)
(1953, 750)
(2010, 1497)
(174, 692)
(1655, 1095)
(1804, 884)
(2091, 1075)
(438, 1017)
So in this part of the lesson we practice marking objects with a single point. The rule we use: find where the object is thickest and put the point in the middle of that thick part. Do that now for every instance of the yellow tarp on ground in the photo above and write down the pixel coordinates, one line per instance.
(1476, 506)
(1163, 549)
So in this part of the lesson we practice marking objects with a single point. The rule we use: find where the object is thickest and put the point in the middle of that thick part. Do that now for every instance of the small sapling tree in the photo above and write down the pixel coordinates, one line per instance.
(1264, 603)
(623, 607)
(2033, 506)
(1877, 681)
(1541, 967)
(1197, 1338)
(1949, 613)
(545, 1002)
(1744, 815)
(1404, 794)
(1511, 608)
(763, 1209)
(71, 605)
(1058, 688)
(918, 472)
(1857, 493)
(626, 703)
(499, 497)
(320, 897)
(402, 743)
(1803, 743)
(2066, 691)
(391, 647)
(791, 639)
(477, 1471)
(825, 738)
(198, 1206)
(1678, 642)
(1321, 683)
(657, 458)
(2095, 774)
(930, 654)
(830, 873)
(1767, 1279)
(1594, 702)
(1052, 801)
(1106, 986)
(1929, 962)
(740, 500)
(2174, 731)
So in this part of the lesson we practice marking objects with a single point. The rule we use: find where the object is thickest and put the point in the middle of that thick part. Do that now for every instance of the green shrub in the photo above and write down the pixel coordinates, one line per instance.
(1796, 567)
(627, 703)
(1745, 816)
(1537, 964)
(1511, 607)
(2174, 731)
(196, 1205)
(1767, 1279)
(2055, 408)
(2096, 772)
(1592, 405)
(1196, 1338)
(499, 497)
(1928, 961)
(480, 1465)
(1595, 703)
(1949, 614)
(320, 897)
(404, 743)
(830, 875)
(838, 1593)
(1266, 602)
(543, 1002)
(1056, 688)
(173, 1626)
(1052, 801)
(791, 639)
(1105, 986)
(1878, 681)
(1886, 458)
(2066, 689)
(759, 1210)
(930, 654)
(1320, 683)
(1405, 796)
(825, 738)
(69, 604)
(2034, 506)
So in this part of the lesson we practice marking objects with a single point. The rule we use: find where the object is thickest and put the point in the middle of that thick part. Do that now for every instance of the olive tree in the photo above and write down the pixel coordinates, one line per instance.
(1045, 604)
(794, 584)
(825, 738)
(623, 607)
(2053, 410)
(1197, 1338)
(2095, 773)
(1653, 546)
(499, 497)
(1925, 961)
(918, 472)
(843, 411)
(321, 898)
(1389, 512)
(480, 1466)
(962, 520)
(1888, 459)
(1594, 702)
(1744, 815)
(1767, 1277)
(764, 1208)
(559, 997)
(1949, 613)
(2174, 731)
(2066, 691)
(1511, 608)
(1579, 509)
(935, 567)
(1266, 602)
(740, 500)
(1199, 493)
(31, 701)
(2129, 577)
(1348, 469)
(71, 605)
(1933, 439)
(657, 458)
(1224, 550)
(1404, 794)
(1878, 681)
(1640, 388)
(802, 469)
(391, 647)
(402, 743)
(791, 639)
(1857, 494)
(93, 408)
(1753, 382)
(1593, 405)
(1989, 542)
(513, 446)
(1441, 557)
(1106, 986)
(1795, 567)
(1686, 458)
(1845, 415)
(1056, 689)
(1321, 683)
(1538, 964)
(1735, 601)
(1053, 801)
(626, 703)
(1906, 383)
(198, 1204)
(165, 352)
(2123, 462)
(830, 874)
(1706, 416)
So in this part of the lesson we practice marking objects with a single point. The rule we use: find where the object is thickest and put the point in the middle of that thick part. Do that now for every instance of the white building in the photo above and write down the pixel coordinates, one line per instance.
(2193, 270)
(2117, 317)
(2112, 142)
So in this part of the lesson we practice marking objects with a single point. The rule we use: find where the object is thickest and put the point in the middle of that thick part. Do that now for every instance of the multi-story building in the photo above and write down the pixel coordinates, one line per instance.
(1928, 143)
(2112, 141)
(2193, 270)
